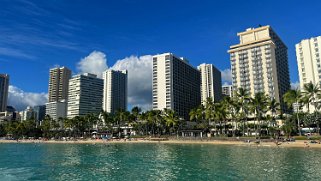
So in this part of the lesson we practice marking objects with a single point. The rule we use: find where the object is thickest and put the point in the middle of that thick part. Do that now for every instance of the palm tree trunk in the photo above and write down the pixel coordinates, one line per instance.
(298, 119)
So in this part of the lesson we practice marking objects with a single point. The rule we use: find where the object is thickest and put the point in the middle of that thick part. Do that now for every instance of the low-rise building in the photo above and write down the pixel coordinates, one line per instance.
(56, 109)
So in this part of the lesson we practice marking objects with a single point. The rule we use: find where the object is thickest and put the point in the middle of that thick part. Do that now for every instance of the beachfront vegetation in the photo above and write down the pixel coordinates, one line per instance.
(241, 115)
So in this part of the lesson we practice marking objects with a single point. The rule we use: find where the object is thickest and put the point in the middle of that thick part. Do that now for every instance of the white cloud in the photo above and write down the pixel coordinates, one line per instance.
(21, 99)
(295, 85)
(139, 79)
(226, 76)
(95, 63)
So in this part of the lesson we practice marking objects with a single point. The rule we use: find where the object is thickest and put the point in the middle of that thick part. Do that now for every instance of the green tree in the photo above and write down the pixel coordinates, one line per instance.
(273, 107)
(291, 97)
(232, 110)
(243, 100)
(259, 105)
(171, 120)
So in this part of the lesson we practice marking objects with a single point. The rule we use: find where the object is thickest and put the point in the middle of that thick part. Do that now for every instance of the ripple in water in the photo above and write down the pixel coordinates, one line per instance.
(156, 162)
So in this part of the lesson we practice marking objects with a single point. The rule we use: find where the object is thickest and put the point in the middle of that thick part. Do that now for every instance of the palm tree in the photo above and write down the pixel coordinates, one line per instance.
(46, 126)
(136, 112)
(171, 119)
(243, 99)
(259, 105)
(209, 110)
(274, 107)
(232, 109)
(193, 115)
(291, 97)
(79, 123)
(311, 92)
(220, 115)
(91, 119)
(143, 121)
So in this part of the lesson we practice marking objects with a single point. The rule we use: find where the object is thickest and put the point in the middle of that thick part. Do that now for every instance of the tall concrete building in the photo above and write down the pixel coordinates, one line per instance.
(227, 90)
(308, 54)
(211, 83)
(85, 95)
(58, 92)
(259, 63)
(58, 84)
(4, 86)
(115, 90)
(176, 84)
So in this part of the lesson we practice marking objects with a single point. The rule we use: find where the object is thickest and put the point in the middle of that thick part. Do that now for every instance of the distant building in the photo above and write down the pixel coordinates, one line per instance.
(115, 90)
(211, 83)
(308, 54)
(27, 114)
(176, 84)
(56, 109)
(85, 95)
(39, 113)
(7, 116)
(227, 90)
(259, 63)
(58, 84)
(4, 86)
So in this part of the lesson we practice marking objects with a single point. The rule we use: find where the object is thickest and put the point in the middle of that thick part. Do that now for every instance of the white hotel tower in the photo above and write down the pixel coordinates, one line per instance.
(176, 84)
(115, 90)
(308, 54)
(211, 83)
(85, 95)
(259, 63)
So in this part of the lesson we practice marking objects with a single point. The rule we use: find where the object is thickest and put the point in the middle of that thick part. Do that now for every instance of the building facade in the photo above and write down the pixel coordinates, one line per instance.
(115, 90)
(259, 63)
(176, 84)
(57, 109)
(308, 58)
(27, 114)
(58, 84)
(4, 87)
(39, 112)
(227, 90)
(85, 95)
(211, 83)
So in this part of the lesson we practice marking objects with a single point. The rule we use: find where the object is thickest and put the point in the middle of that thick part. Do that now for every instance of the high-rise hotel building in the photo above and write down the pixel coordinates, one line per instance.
(115, 90)
(58, 84)
(176, 84)
(259, 63)
(85, 95)
(4, 86)
(308, 53)
(58, 92)
(211, 83)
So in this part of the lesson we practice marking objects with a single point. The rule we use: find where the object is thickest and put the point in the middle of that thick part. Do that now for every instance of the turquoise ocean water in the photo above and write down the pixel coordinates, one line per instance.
(156, 162)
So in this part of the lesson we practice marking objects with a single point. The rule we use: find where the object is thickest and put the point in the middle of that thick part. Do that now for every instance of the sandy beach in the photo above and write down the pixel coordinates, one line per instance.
(296, 144)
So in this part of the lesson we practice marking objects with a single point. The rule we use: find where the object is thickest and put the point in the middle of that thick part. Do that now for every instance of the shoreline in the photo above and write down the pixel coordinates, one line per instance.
(296, 144)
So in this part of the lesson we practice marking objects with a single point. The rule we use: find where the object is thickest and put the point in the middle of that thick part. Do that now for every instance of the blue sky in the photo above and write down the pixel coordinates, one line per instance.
(37, 35)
